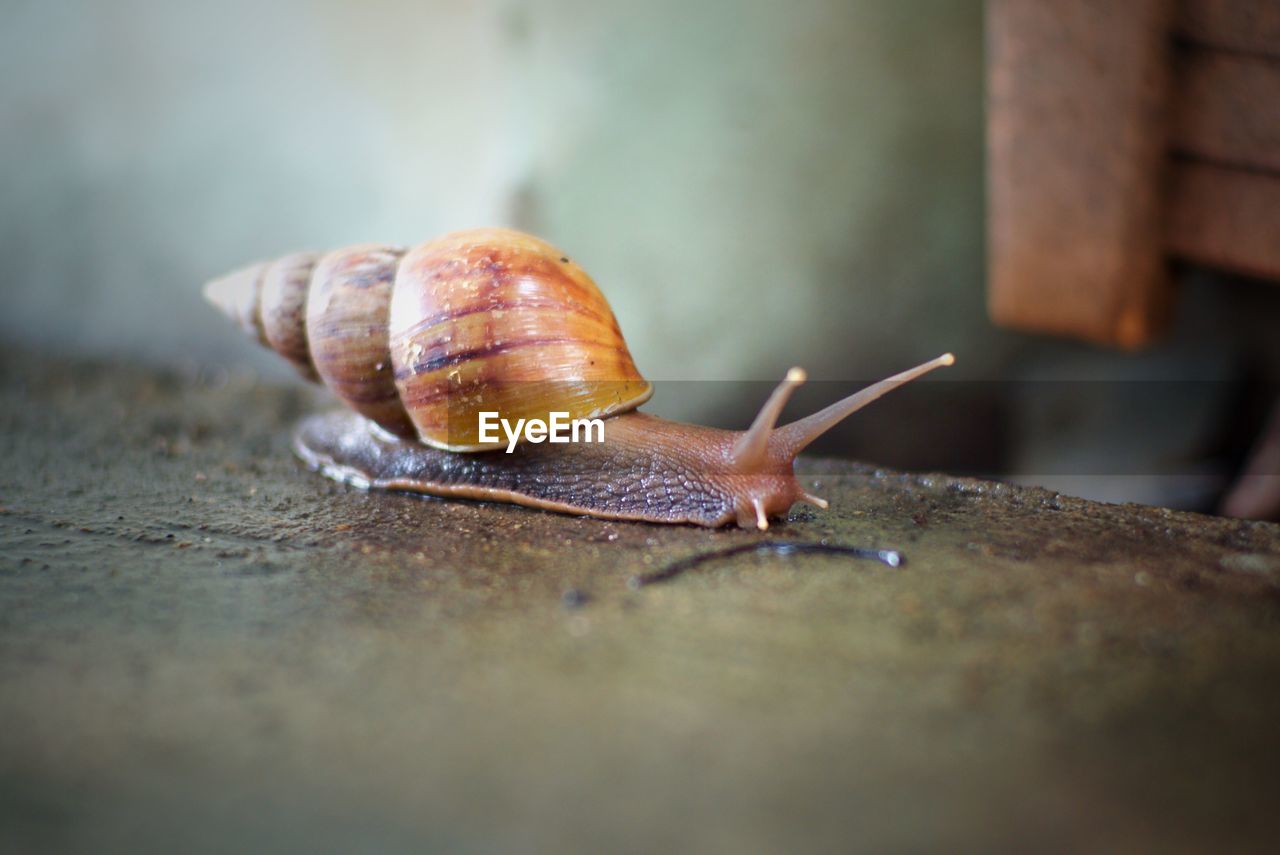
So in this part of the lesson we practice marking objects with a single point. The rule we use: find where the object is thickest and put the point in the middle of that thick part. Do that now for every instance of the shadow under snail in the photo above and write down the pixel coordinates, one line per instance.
(419, 342)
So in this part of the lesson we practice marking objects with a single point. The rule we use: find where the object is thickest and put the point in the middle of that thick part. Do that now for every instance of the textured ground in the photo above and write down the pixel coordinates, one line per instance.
(204, 646)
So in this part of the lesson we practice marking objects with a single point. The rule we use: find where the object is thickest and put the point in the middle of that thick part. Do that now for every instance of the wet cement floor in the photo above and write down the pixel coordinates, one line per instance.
(204, 647)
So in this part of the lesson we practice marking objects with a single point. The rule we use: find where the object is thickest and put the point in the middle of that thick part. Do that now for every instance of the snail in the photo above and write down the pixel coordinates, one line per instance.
(418, 342)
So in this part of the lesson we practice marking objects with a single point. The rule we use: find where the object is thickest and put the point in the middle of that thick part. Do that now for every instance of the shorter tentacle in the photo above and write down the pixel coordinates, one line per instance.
(750, 451)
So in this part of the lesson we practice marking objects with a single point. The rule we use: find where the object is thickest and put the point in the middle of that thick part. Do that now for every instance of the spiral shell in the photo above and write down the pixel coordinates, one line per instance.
(421, 341)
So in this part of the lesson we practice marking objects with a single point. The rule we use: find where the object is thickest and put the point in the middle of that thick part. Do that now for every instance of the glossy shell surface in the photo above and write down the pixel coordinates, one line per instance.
(496, 320)
(421, 341)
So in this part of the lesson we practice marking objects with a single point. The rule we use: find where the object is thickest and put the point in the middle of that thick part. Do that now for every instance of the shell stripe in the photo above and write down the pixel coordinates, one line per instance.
(506, 306)
(436, 363)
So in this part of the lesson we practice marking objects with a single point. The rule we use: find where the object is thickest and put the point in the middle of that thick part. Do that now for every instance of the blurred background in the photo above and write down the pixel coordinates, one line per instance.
(754, 185)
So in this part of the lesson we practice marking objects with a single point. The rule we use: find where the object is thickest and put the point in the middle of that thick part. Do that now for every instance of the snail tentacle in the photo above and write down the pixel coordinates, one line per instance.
(751, 449)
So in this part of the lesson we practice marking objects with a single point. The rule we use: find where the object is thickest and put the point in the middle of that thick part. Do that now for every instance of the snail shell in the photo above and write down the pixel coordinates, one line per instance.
(420, 341)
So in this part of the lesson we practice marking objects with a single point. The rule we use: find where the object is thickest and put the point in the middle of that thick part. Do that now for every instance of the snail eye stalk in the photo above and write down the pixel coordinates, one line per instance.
(752, 449)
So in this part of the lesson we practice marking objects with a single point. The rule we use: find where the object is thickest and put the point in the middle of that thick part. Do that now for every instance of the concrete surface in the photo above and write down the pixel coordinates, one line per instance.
(204, 647)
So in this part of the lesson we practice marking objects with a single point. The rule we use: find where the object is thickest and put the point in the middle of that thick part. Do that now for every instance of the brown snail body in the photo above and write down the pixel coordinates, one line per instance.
(418, 342)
